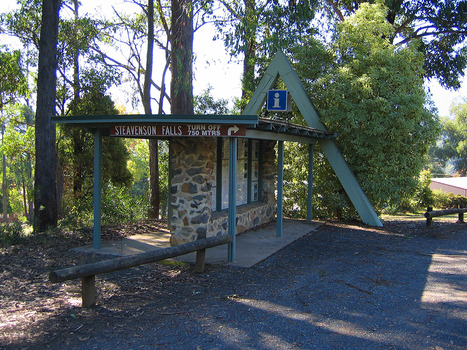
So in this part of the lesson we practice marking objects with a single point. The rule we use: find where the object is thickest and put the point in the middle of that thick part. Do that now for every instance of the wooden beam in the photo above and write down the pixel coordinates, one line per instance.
(430, 214)
(433, 214)
(125, 262)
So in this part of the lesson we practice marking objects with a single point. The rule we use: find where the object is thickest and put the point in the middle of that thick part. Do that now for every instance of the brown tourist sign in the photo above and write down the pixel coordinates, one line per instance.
(178, 130)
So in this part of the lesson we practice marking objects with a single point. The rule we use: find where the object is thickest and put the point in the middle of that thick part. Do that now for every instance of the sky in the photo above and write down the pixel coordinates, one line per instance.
(213, 66)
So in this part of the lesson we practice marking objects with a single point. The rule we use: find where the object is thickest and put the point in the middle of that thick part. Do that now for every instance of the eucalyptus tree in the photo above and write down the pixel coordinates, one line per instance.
(79, 69)
(458, 129)
(45, 187)
(18, 147)
(13, 84)
(181, 36)
(135, 37)
(147, 28)
(257, 29)
(437, 29)
(452, 145)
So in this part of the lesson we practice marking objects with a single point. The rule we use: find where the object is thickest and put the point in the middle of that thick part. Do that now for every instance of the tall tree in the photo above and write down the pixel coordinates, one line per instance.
(12, 85)
(76, 151)
(154, 194)
(437, 28)
(452, 145)
(181, 37)
(45, 190)
(257, 29)
(135, 33)
(18, 147)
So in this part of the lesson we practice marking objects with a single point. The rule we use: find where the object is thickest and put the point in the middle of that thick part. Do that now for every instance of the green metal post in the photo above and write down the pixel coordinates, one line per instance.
(280, 187)
(260, 171)
(169, 187)
(232, 224)
(96, 243)
(249, 170)
(219, 174)
(310, 183)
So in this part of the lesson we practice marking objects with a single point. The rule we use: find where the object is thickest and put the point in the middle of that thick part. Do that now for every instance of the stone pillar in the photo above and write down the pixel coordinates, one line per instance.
(190, 192)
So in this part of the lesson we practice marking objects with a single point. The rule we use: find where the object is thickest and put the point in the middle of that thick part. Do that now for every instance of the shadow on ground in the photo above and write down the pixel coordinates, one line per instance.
(340, 287)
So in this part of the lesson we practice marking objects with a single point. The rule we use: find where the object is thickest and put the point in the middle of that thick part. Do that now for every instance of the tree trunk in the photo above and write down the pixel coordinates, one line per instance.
(154, 196)
(182, 57)
(4, 186)
(45, 190)
(76, 73)
(25, 196)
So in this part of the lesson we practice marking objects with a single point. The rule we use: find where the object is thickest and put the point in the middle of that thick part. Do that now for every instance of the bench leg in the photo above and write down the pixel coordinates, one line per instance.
(200, 257)
(88, 291)
(429, 222)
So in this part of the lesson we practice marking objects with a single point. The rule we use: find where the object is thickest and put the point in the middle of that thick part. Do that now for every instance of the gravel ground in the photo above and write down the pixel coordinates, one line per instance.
(341, 287)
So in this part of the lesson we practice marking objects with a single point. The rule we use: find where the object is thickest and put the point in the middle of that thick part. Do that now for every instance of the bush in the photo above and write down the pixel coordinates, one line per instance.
(419, 199)
(445, 200)
(119, 206)
(11, 233)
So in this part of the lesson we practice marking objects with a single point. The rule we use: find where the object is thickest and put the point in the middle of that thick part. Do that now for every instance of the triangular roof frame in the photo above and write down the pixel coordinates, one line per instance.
(280, 66)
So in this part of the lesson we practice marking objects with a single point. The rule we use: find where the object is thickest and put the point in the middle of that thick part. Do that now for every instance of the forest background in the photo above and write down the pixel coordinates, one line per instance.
(367, 66)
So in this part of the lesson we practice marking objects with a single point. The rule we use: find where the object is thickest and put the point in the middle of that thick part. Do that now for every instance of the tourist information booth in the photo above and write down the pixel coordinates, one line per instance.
(224, 173)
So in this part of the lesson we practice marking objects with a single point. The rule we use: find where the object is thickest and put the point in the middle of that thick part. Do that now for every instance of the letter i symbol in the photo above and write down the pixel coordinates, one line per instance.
(276, 100)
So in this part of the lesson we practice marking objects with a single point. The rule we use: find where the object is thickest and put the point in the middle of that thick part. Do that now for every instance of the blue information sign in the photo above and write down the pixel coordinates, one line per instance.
(278, 100)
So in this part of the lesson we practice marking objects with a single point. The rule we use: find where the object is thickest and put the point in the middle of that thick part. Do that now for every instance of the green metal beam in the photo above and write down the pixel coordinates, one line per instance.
(260, 171)
(280, 187)
(96, 243)
(219, 174)
(268, 135)
(280, 66)
(309, 213)
(249, 171)
(232, 215)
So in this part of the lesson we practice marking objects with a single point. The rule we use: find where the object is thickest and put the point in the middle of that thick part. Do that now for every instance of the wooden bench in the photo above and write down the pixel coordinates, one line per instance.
(88, 272)
(430, 214)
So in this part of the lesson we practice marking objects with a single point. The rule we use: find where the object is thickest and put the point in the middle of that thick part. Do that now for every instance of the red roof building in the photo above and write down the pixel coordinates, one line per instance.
(456, 185)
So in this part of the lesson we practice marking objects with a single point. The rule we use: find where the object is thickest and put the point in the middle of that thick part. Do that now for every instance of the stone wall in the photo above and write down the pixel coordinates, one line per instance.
(191, 197)
(192, 165)
(248, 216)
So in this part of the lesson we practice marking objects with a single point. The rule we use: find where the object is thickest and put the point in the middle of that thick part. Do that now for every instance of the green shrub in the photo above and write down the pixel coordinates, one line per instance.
(445, 200)
(120, 206)
(11, 233)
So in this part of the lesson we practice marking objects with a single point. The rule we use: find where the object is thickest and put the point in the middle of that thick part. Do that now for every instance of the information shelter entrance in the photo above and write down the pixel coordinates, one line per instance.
(223, 175)
(223, 171)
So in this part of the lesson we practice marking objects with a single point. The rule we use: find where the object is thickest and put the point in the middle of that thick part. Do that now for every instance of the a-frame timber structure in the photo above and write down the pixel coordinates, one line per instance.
(281, 67)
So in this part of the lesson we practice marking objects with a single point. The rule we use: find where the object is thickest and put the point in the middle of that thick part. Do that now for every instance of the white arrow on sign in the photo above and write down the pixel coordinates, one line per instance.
(232, 130)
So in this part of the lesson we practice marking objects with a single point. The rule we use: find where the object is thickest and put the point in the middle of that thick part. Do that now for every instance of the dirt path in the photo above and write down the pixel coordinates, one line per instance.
(341, 287)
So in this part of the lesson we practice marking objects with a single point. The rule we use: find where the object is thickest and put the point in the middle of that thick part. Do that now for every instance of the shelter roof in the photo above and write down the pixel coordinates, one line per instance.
(279, 126)
(136, 119)
(259, 128)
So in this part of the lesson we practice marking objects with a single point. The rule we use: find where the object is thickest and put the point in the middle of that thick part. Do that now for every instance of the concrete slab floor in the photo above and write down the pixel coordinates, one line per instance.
(252, 246)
